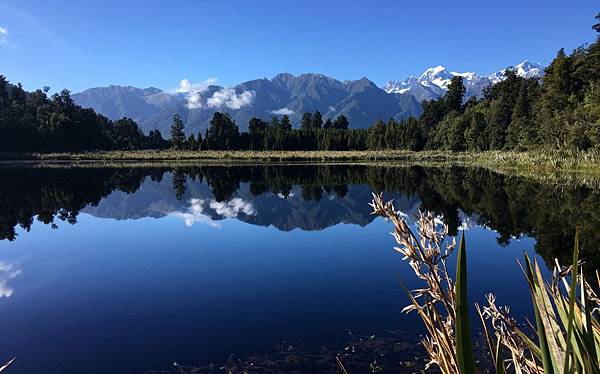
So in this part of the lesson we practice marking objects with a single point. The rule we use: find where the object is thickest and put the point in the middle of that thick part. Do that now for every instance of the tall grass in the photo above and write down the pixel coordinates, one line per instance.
(564, 340)
(548, 160)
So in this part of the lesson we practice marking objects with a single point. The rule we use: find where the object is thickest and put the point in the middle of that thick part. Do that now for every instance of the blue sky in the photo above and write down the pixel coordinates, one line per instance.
(82, 44)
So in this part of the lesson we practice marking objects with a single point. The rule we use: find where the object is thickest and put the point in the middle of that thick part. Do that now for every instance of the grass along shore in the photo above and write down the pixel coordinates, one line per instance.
(588, 162)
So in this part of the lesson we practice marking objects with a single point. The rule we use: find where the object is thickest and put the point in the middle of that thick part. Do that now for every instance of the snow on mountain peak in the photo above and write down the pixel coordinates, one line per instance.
(528, 69)
(525, 70)
(433, 72)
(434, 82)
(467, 76)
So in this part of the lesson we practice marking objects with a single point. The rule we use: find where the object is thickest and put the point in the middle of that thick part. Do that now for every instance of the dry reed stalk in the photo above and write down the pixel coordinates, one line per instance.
(436, 301)
(568, 330)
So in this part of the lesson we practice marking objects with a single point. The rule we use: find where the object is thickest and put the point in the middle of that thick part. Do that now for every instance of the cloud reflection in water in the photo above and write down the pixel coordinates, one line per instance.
(197, 211)
(8, 272)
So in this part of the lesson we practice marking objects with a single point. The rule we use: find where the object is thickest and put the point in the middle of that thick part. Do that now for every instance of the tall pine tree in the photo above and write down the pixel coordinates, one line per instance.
(177, 134)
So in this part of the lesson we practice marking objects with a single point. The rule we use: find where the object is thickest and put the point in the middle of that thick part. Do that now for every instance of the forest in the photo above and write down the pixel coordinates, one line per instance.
(559, 111)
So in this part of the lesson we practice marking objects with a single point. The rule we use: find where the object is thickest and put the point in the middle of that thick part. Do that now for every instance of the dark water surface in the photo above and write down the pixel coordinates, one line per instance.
(127, 270)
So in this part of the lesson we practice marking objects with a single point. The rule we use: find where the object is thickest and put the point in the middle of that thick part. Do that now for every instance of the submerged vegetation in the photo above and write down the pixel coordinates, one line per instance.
(566, 338)
(390, 351)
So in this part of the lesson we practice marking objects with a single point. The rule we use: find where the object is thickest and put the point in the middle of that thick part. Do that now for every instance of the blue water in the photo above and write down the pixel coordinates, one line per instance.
(144, 279)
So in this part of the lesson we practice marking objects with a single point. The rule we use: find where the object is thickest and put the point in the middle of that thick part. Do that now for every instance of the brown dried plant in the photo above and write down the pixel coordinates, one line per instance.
(566, 338)
(435, 302)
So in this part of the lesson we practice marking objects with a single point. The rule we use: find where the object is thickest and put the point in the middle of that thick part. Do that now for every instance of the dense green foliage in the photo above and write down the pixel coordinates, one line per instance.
(32, 121)
(313, 134)
(560, 111)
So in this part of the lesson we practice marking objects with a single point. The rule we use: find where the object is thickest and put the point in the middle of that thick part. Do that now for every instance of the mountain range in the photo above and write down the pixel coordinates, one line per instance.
(434, 82)
(361, 101)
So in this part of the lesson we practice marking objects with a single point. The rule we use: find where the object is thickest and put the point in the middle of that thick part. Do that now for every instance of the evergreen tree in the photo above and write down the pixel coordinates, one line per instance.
(256, 125)
(223, 133)
(475, 131)
(177, 135)
(341, 122)
(306, 122)
(455, 94)
(191, 143)
(317, 121)
(517, 136)
(390, 134)
(156, 141)
(433, 112)
(286, 124)
(414, 137)
(456, 133)
(127, 135)
(376, 136)
(274, 124)
(199, 140)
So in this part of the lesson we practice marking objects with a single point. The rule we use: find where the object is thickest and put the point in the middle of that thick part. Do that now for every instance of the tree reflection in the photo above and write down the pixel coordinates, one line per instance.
(513, 206)
(178, 183)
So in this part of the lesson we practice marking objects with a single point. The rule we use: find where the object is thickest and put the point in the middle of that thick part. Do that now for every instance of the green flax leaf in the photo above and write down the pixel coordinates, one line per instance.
(464, 348)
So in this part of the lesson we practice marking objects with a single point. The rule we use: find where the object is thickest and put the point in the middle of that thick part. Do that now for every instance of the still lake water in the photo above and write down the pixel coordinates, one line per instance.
(127, 270)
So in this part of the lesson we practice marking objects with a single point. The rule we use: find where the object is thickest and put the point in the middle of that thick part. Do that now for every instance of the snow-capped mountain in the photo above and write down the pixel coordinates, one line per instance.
(528, 69)
(434, 82)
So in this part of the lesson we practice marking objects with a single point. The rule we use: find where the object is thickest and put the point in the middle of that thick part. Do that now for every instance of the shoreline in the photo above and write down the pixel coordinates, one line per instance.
(588, 162)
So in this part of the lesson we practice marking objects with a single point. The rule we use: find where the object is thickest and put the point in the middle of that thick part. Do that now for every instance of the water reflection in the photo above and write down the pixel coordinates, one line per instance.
(224, 209)
(8, 272)
(308, 197)
(148, 266)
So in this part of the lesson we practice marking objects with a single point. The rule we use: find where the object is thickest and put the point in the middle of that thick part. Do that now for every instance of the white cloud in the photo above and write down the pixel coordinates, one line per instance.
(331, 109)
(4, 37)
(233, 207)
(229, 98)
(225, 97)
(185, 86)
(8, 271)
(282, 112)
(194, 101)
(193, 91)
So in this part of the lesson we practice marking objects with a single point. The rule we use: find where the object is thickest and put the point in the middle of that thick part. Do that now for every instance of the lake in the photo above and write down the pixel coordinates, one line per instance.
(132, 269)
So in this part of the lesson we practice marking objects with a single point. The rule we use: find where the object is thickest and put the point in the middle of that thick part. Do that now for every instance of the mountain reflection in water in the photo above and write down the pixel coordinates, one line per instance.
(306, 197)
(151, 265)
